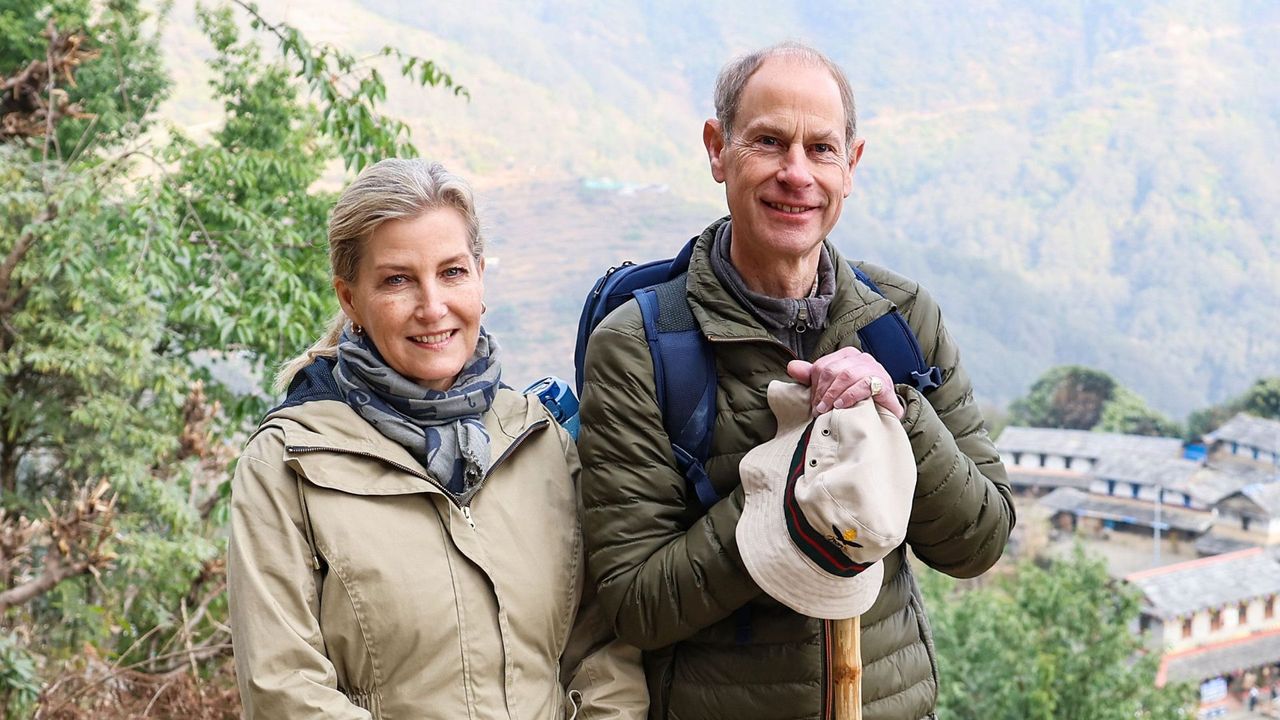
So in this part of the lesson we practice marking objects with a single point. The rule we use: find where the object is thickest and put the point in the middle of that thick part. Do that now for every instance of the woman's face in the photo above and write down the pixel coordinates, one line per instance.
(418, 293)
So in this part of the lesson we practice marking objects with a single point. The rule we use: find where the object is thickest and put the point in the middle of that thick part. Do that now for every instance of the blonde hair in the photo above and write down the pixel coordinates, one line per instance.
(393, 189)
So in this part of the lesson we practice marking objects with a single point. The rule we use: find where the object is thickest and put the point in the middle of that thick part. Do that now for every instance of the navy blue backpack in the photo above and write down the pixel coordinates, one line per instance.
(684, 366)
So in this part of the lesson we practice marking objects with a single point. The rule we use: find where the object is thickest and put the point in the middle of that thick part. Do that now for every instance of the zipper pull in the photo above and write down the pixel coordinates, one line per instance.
(466, 513)
(802, 322)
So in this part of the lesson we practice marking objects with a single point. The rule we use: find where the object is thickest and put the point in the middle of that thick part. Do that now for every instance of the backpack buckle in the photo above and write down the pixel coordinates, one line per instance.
(927, 380)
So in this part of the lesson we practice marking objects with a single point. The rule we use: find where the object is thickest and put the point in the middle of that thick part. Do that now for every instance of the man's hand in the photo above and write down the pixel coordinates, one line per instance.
(845, 378)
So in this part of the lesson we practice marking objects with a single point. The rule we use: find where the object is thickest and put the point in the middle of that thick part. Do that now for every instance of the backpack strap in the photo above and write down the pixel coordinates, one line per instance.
(891, 341)
(684, 374)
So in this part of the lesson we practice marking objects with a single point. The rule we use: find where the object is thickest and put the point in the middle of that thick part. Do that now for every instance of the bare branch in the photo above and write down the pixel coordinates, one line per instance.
(54, 572)
(31, 104)
(75, 540)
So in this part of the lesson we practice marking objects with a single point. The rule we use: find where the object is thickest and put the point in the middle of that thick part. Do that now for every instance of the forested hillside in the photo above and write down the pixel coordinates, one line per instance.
(1078, 182)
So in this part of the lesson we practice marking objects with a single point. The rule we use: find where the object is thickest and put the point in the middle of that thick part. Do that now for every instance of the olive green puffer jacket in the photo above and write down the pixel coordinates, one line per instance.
(669, 572)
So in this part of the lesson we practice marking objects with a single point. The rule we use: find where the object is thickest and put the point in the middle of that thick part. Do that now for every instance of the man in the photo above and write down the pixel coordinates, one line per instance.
(774, 298)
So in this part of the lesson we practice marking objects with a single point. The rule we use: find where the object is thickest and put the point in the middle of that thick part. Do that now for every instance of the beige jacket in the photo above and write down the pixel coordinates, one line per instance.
(412, 607)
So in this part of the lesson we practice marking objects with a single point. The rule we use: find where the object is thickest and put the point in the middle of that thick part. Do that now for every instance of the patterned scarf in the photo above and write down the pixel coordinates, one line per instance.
(443, 430)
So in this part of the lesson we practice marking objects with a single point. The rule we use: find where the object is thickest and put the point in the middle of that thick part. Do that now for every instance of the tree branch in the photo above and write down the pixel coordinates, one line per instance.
(79, 532)
(55, 572)
(19, 251)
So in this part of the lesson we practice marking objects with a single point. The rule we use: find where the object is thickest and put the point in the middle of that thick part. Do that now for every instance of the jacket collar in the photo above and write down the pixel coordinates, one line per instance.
(315, 420)
(722, 318)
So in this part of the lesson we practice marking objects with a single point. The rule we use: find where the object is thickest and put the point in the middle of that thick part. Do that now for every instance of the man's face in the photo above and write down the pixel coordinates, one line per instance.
(786, 169)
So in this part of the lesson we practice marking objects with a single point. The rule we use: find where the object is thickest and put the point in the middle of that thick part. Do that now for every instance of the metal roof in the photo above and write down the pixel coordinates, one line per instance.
(1249, 430)
(1084, 443)
(1044, 477)
(1221, 479)
(1132, 512)
(1212, 544)
(1170, 472)
(1183, 588)
(1220, 658)
(1265, 496)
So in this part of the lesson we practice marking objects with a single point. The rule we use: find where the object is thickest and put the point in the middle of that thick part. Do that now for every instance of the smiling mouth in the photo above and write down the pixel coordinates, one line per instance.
(788, 209)
(434, 338)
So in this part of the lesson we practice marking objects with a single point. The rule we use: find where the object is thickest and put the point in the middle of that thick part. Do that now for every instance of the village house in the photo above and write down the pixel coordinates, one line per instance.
(1040, 460)
(1214, 620)
(1248, 438)
(1102, 482)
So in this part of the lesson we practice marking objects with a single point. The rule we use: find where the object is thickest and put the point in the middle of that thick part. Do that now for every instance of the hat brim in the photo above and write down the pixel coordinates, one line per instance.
(782, 571)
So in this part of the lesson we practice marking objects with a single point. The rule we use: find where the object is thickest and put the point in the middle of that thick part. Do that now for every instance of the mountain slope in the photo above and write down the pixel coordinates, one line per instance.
(1077, 182)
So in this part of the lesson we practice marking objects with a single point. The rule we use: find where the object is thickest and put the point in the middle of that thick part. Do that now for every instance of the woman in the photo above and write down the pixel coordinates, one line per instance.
(405, 538)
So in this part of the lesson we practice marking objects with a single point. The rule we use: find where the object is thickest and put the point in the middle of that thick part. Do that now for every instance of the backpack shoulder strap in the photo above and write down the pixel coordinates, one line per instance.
(684, 377)
(892, 342)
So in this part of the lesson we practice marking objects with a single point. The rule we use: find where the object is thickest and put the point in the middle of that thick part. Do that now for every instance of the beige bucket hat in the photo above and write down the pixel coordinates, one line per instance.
(826, 500)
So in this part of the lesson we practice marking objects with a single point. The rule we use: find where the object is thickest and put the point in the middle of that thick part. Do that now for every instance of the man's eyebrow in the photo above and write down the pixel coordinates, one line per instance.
(769, 127)
(764, 127)
(826, 136)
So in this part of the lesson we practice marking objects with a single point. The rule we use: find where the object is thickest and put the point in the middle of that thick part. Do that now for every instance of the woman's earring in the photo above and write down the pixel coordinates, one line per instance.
(483, 308)
(357, 329)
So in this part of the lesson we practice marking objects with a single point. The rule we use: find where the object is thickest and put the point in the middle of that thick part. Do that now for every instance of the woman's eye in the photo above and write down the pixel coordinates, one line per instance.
(396, 280)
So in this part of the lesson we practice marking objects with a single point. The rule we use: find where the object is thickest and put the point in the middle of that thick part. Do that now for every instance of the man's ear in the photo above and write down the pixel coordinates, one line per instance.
(713, 139)
(855, 154)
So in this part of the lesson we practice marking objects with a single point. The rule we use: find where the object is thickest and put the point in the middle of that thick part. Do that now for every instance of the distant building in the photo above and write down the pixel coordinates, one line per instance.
(1252, 514)
(1212, 618)
(1040, 460)
(1246, 506)
(1097, 482)
(1246, 437)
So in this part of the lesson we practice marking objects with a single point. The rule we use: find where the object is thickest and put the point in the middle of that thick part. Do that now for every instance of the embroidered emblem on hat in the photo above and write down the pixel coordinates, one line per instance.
(824, 553)
(845, 538)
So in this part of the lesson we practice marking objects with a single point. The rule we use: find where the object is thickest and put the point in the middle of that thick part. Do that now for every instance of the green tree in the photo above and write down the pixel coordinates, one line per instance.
(1081, 398)
(1067, 396)
(1261, 399)
(123, 270)
(1051, 643)
(1128, 413)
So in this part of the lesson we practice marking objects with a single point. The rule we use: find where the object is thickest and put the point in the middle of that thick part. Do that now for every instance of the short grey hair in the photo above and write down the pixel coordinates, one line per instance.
(734, 76)
(392, 189)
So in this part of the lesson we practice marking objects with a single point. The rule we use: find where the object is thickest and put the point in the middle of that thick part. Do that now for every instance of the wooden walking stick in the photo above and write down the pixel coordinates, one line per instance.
(846, 668)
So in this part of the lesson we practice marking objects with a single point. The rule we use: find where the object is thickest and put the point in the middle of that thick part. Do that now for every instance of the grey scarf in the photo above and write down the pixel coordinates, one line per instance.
(443, 430)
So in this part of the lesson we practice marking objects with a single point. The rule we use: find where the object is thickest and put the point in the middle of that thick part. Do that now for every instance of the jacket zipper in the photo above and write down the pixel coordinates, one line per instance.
(770, 340)
(463, 507)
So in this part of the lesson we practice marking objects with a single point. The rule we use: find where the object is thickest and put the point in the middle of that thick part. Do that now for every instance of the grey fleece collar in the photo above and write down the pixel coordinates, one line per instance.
(795, 322)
